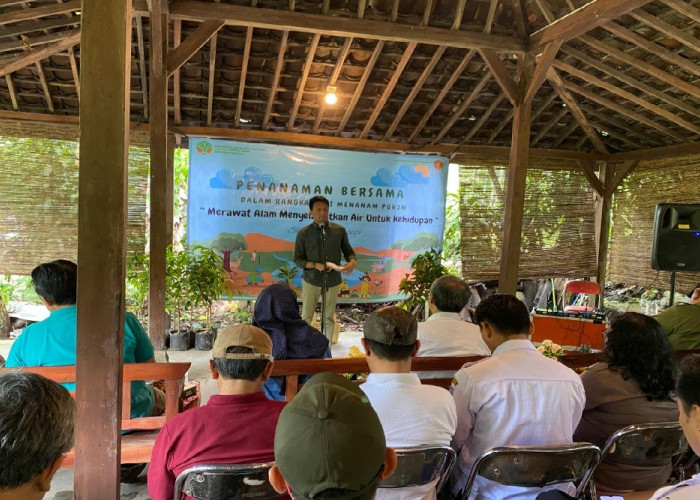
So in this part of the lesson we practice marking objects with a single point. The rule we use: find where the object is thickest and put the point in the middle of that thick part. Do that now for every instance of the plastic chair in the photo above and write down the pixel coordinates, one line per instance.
(536, 466)
(581, 287)
(225, 482)
(642, 441)
(419, 465)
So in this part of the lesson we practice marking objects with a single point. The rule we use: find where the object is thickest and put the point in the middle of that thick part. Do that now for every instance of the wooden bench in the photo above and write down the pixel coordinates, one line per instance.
(136, 446)
(292, 368)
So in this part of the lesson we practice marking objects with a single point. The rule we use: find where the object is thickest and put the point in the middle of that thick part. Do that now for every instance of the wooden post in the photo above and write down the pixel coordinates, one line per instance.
(602, 229)
(169, 190)
(105, 58)
(159, 178)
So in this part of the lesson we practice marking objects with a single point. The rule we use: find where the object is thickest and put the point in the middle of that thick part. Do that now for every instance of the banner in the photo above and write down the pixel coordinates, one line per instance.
(249, 200)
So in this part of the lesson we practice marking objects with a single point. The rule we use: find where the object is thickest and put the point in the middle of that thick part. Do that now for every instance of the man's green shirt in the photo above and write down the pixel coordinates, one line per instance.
(308, 247)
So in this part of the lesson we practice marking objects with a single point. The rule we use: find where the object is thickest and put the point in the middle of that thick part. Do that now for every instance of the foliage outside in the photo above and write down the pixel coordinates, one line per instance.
(426, 268)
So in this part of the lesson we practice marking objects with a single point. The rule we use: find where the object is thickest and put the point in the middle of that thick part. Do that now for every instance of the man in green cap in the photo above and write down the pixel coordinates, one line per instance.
(329, 443)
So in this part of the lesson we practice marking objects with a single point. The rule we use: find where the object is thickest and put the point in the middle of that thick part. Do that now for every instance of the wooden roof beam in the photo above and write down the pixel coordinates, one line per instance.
(588, 168)
(45, 88)
(342, 56)
(388, 88)
(184, 51)
(676, 150)
(608, 120)
(237, 15)
(462, 108)
(582, 20)
(684, 8)
(142, 65)
(275, 79)
(506, 120)
(632, 115)
(614, 89)
(484, 117)
(210, 86)
(558, 84)
(41, 25)
(27, 42)
(177, 113)
(566, 133)
(360, 86)
(13, 95)
(34, 56)
(302, 81)
(667, 29)
(500, 73)
(244, 70)
(540, 74)
(17, 16)
(543, 131)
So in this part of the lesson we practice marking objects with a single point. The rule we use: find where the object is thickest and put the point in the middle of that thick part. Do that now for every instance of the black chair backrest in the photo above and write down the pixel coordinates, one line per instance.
(419, 465)
(225, 482)
(653, 440)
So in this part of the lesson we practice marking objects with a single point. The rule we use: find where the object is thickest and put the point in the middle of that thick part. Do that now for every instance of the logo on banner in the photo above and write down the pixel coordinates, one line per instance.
(204, 147)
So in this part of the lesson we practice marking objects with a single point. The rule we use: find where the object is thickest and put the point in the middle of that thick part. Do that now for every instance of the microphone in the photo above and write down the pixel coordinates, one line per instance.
(322, 225)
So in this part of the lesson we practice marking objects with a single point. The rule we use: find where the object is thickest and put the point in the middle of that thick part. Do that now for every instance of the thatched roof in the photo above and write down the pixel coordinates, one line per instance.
(406, 72)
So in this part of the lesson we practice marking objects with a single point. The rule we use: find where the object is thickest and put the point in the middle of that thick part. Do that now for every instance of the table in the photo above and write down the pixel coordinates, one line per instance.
(568, 330)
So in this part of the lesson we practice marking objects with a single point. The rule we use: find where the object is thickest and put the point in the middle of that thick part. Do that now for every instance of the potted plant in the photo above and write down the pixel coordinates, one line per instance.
(427, 267)
(178, 296)
(207, 282)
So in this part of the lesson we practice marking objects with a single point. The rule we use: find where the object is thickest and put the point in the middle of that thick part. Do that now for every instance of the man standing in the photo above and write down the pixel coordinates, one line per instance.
(412, 414)
(317, 251)
(236, 426)
(445, 333)
(682, 322)
(517, 397)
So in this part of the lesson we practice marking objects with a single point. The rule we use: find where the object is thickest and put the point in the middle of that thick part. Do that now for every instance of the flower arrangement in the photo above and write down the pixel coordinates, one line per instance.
(355, 352)
(550, 349)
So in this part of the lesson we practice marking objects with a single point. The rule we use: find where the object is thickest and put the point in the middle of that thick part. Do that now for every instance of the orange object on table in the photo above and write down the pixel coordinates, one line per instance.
(567, 330)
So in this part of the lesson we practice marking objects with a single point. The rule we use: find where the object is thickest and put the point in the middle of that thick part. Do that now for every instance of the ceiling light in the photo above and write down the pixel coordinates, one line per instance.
(331, 98)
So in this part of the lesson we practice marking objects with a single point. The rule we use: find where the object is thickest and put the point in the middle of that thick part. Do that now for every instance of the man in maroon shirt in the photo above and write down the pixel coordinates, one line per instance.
(237, 426)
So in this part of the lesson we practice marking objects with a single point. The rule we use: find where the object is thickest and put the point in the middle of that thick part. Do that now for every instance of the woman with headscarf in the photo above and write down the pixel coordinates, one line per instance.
(277, 312)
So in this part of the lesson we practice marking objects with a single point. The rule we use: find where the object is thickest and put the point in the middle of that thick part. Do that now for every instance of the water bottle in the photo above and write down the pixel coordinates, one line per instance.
(644, 306)
(654, 308)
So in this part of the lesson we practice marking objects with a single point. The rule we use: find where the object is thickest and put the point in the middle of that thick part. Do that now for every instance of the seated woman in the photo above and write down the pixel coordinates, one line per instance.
(688, 390)
(634, 385)
(277, 312)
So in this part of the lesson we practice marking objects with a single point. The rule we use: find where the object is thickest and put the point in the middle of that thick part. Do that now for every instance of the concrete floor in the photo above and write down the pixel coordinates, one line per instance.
(62, 484)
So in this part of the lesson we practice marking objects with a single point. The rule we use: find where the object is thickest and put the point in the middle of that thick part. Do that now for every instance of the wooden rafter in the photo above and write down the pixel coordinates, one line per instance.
(551, 123)
(244, 70)
(506, 120)
(629, 80)
(520, 14)
(620, 173)
(484, 117)
(566, 133)
(388, 88)
(582, 20)
(74, 70)
(34, 56)
(500, 73)
(275, 79)
(32, 26)
(414, 91)
(210, 86)
(142, 65)
(302, 81)
(462, 107)
(652, 48)
(659, 74)
(489, 17)
(344, 51)
(44, 86)
(177, 113)
(674, 151)
(614, 134)
(667, 29)
(607, 118)
(684, 8)
(614, 89)
(13, 95)
(34, 41)
(185, 50)
(558, 84)
(238, 15)
(588, 168)
(632, 115)
(433, 106)
(17, 16)
(540, 74)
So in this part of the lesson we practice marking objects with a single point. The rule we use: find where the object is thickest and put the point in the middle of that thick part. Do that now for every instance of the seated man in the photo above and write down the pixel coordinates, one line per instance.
(682, 322)
(237, 426)
(445, 333)
(517, 397)
(37, 417)
(52, 342)
(688, 390)
(329, 443)
(412, 414)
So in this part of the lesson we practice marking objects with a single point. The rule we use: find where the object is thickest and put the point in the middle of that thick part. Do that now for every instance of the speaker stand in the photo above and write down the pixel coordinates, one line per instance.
(673, 288)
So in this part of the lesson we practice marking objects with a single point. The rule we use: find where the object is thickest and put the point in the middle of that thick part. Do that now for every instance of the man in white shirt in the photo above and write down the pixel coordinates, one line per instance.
(411, 414)
(516, 397)
(445, 333)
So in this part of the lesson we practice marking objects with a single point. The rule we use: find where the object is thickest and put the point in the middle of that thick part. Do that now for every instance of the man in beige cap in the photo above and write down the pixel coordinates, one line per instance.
(236, 426)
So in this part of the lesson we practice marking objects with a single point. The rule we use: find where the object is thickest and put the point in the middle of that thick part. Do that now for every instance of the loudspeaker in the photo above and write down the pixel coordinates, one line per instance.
(676, 238)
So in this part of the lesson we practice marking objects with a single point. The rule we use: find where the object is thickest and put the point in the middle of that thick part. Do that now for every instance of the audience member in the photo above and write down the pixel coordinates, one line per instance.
(632, 386)
(277, 312)
(445, 333)
(411, 414)
(688, 391)
(682, 322)
(52, 342)
(235, 426)
(37, 417)
(516, 397)
(329, 443)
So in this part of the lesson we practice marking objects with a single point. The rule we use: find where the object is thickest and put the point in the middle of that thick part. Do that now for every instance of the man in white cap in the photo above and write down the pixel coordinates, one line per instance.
(235, 426)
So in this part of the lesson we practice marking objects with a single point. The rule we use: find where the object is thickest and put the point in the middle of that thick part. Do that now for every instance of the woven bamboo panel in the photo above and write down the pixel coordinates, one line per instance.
(39, 202)
(558, 226)
(675, 180)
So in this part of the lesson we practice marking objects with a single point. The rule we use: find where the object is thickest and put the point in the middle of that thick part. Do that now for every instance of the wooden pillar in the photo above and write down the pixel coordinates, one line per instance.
(159, 178)
(602, 229)
(169, 190)
(105, 57)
